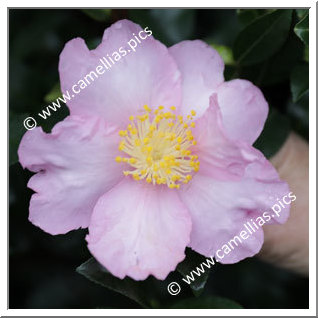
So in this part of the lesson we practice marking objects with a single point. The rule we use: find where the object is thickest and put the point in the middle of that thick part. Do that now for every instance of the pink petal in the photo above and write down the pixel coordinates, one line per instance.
(262, 171)
(202, 72)
(233, 247)
(244, 109)
(219, 157)
(219, 209)
(138, 230)
(147, 76)
(75, 165)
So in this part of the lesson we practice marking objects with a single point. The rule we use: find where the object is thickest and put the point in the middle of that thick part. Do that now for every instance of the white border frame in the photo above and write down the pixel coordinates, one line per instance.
(312, 162)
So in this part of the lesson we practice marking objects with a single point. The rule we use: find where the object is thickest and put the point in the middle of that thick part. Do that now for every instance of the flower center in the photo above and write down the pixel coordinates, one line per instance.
(157, 147)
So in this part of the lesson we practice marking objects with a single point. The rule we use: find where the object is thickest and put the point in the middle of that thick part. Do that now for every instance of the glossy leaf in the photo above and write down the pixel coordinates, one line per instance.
(301, 13)
(306, 54)
(302, 29)
(191, 262)
(101, 15)
(277, 68)
(262, 38)
(92, 270)
(207, 303)
(247, 16)
(276, 131)
(149, 293)
(299, 115)
(299, 81)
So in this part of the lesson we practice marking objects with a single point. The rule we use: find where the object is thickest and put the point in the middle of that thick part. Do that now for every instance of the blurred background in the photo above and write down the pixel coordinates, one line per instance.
(42, 268)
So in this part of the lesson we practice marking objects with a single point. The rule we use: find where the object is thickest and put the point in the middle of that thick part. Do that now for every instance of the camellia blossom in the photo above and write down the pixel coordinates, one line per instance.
(155, 156)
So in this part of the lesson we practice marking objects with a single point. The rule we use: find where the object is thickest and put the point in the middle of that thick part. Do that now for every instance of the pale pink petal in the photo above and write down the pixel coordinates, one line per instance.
(147, 76)
(263, 172)
(75, 165)
(219, 209)
(219, 157)
(244, 109)
(246, 241)
(202, 72)
(139, 230)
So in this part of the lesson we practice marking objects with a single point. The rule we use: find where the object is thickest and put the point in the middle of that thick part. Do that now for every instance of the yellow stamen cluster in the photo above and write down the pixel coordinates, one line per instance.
(158, 147)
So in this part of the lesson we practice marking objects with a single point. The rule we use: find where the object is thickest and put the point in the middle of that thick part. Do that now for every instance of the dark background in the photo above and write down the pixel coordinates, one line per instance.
(42, 267)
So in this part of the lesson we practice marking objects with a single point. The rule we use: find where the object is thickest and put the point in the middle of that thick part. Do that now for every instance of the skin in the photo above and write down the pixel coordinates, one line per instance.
(287, 245)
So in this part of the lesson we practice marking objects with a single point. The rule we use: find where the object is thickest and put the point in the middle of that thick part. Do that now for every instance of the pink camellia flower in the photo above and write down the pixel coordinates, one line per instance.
(155, 156)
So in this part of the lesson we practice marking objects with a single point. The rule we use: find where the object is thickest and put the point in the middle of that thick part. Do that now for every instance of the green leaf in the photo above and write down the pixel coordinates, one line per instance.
(206, 303)
(301, 13)
(277, 68)
(100, 15)
(225, 52)
(306, 54)
(169, 26)
(262, 38)
(302, 29)
(191, 262)
(299, 115)
(275, 132)
(247, 16)
(299, 81)
(147, 293)
(53, 94)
